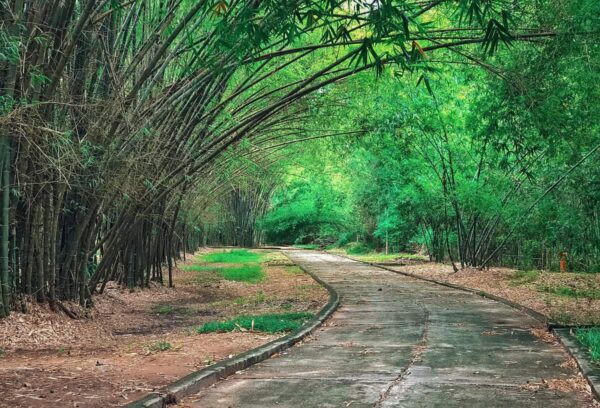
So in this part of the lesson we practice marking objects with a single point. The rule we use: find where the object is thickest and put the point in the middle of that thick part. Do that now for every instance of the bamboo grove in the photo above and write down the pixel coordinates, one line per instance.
(115, 114)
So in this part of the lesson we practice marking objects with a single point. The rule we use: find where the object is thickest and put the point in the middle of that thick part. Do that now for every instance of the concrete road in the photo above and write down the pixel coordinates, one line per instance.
(401, 342)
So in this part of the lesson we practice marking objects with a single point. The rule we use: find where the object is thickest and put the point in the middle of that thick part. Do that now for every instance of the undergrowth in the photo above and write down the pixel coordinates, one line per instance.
(307, 246)
(571, 292)
(159, 346)
(591, 339)
(268, 323)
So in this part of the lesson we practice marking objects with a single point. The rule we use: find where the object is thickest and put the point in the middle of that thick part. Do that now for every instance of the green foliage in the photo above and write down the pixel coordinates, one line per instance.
(160, 346)
(9, 48)
(307, 212)
(591, 339)
(570, 292)
(466, 172)
(307, 246)
(379, 257)
(426, 126)
(359, 248)
(269, 323)
(233, 256)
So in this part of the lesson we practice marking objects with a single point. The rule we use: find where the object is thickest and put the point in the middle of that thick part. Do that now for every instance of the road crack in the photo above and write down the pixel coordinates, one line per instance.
(416, 357)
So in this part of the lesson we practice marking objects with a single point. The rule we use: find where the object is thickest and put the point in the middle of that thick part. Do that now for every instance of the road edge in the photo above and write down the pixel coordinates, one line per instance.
(194, 382)
(581, 355)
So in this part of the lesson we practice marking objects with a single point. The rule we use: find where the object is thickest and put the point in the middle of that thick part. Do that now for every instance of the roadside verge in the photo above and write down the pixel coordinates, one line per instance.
(198, 380)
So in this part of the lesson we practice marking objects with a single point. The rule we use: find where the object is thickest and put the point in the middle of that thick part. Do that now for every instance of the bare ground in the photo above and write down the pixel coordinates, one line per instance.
(113, 356)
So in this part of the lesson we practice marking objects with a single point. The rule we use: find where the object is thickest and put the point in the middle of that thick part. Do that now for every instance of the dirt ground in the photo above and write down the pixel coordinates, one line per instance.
(532, 292)
(118, 353)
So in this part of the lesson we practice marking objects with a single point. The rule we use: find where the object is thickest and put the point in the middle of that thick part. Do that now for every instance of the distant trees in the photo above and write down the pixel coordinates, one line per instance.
(481, 167)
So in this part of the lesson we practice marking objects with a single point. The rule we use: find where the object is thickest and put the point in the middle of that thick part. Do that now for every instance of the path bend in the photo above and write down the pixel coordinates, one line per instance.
(401, 342)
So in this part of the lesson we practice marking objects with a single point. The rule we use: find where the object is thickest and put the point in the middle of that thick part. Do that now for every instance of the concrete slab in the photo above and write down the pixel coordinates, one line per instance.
(288, 393)
(348, 363)
(479, 396)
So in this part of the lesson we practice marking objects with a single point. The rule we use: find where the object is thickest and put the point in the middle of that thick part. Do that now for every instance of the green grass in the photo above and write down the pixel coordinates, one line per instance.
(591, 339)
(307, 246)
(524, 277)
(381, 257)
(358, 249)
(293, 270)
(268, 323)
(241, 256)
(571, 292)
(160, 346)
(246, 273)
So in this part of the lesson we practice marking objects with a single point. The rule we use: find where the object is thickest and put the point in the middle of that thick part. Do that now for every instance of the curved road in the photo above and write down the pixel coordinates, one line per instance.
(401, 342)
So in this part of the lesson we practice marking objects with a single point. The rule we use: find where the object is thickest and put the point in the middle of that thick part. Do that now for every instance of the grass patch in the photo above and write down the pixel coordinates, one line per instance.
(244, 273)
(268, 323)
(241, 256)
(307, 246)
(358, 249)
(571, 292)
(160, 346)
(524, 277)
(378, 257)
(591, 339)
(293, 270)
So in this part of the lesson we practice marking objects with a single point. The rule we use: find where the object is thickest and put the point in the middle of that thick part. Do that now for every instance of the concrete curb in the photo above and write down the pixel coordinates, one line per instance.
(536, 315)
(564, 334)
(194, 382)
(590, 371)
